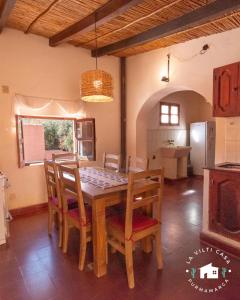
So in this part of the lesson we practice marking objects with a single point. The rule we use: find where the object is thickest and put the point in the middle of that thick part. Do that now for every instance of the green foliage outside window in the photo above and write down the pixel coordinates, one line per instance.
(58, 135)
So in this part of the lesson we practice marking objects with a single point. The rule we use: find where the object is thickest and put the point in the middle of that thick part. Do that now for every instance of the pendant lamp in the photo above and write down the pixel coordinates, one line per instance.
(96, 85)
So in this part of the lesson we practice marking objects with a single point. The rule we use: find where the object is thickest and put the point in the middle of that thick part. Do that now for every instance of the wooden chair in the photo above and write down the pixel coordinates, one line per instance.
(111, 161)
(54, 198)
(125, 230)
(137, 164)
(79, 217)
(53, 191)
(65, 157)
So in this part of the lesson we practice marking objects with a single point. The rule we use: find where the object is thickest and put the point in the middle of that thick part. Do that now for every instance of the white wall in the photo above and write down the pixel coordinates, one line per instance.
(193, 108)
(30, 67)
(232, 139)
(189, 71)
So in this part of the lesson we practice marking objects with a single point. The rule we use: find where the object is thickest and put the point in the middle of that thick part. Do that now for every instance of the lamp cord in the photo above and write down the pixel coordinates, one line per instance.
(96, 45)
(168, 65)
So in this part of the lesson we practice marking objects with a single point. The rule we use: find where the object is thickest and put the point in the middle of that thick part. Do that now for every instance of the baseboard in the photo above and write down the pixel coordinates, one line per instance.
(169, 180)
(216, 243)
(28, 210)
(197, 177)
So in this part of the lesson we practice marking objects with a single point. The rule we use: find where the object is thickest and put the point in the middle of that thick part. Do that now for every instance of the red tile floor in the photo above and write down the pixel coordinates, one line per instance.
(33, 267)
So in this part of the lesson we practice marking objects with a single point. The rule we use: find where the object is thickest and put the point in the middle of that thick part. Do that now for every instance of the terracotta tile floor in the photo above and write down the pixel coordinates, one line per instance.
(33, 267)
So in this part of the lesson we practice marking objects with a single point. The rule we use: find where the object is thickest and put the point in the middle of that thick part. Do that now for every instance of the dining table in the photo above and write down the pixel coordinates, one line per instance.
(101, 189)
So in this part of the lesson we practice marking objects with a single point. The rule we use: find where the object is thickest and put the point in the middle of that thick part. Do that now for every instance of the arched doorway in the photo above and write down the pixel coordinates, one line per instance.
(150, 135)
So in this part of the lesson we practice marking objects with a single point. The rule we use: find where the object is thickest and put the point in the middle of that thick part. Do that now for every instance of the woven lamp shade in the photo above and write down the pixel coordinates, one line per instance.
(96, 86)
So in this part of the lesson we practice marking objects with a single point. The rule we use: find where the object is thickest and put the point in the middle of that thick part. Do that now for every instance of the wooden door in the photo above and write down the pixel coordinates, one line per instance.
(226, 91)
(224, 203)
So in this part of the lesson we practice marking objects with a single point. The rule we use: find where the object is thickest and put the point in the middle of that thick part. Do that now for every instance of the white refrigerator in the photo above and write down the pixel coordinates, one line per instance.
(202, 141)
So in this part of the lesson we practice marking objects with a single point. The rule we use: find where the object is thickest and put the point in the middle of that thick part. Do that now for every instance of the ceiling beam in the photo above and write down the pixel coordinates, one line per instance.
(5, 11)
(108, 11)
(123, 117)
(199, 16)
(129, 24)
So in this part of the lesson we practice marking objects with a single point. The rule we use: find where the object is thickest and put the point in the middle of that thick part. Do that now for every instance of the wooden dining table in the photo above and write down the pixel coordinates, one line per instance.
(100, 198)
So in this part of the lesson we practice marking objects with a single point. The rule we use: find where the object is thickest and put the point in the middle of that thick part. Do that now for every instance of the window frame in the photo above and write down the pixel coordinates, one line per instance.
(169, 113)
(20, 142)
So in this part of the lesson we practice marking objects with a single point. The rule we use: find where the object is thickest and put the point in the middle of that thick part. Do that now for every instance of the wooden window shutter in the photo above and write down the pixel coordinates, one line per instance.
(86, 138)
(20, 142)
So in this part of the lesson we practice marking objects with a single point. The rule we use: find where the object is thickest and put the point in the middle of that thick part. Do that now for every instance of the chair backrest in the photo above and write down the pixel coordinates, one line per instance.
(111, 161)
(137, 164)
(65, 157)
(53, 187)
(70, 186)
(144, 189)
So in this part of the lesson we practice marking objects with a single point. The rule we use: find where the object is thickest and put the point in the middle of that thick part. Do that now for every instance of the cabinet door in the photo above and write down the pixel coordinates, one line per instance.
(225, 91)
(224, 202)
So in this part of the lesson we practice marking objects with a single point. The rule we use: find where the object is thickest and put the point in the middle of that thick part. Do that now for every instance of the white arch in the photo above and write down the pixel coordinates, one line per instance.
(141, 121)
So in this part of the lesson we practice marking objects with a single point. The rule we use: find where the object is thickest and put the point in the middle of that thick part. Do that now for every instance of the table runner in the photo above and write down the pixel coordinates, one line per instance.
(101, 177)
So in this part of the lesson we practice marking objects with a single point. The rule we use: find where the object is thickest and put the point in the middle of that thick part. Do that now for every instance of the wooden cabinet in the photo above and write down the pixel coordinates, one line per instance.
(224, 203)
(226, 91)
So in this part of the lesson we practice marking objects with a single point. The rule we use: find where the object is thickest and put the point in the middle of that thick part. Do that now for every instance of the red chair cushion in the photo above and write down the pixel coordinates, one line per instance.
(72, 203)
(74, 213)
(54, 200)
(140, 222)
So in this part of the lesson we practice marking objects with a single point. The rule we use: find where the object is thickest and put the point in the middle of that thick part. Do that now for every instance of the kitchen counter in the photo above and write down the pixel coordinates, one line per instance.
(3, 227)
(227, 166)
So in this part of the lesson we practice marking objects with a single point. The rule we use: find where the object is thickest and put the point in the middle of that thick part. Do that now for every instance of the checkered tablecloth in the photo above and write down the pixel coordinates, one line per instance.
(101, 177)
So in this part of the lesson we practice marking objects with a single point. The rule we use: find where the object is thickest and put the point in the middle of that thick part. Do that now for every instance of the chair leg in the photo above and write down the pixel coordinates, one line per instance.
(60, 224)
(65, 235)
(50, 219)
(83, 248)
(107, 252)
(129, 263)
(159, 250)
(113, 250)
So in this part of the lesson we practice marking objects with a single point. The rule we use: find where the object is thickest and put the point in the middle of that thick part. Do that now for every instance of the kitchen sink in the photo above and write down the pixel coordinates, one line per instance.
(175, 151)
(229, 166)
(175, 161)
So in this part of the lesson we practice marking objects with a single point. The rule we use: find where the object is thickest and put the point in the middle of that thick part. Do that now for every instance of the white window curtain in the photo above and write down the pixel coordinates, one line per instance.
(37, 106)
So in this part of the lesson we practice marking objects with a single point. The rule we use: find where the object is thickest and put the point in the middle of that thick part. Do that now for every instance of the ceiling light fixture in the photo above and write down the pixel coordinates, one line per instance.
(96, 85)
(167, 78)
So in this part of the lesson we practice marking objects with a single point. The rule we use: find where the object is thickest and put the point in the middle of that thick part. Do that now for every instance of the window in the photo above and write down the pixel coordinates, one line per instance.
(86, 139)
(39, 137)
(169, 113)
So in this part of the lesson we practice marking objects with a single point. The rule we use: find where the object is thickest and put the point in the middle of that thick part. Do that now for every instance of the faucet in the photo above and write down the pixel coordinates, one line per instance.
(170, 142)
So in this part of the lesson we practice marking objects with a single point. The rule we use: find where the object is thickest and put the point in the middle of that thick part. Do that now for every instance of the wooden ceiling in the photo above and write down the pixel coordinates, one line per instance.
(124, 28)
